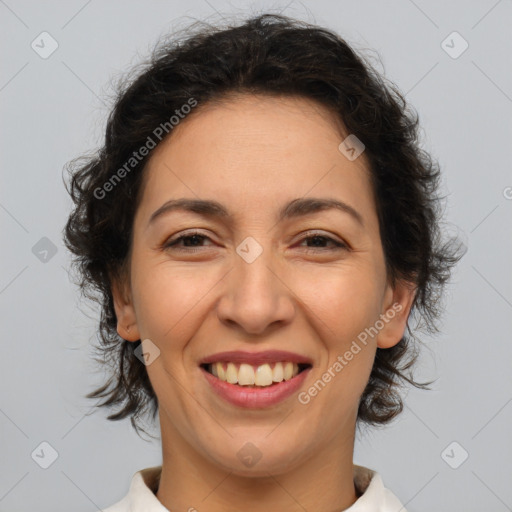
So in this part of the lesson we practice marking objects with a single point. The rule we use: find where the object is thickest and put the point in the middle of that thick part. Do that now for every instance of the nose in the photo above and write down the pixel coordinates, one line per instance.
(257, 297)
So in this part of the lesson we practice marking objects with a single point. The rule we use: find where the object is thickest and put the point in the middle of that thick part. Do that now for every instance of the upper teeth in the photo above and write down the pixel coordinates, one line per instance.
(246, 375)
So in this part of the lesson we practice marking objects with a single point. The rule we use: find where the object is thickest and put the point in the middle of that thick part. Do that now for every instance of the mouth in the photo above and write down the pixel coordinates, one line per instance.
(255, 376)
(255, 380)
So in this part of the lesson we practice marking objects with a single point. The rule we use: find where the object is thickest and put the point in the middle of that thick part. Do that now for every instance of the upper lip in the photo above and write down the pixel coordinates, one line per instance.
(256, 358)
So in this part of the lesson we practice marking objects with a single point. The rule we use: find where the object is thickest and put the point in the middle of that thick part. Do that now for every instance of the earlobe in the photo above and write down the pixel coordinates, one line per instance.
(126, 320)
(398, 303)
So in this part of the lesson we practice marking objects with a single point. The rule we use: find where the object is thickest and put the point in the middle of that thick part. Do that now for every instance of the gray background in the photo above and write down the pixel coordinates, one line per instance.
(54, 109)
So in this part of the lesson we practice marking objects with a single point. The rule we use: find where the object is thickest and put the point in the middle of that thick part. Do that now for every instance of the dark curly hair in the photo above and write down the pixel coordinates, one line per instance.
(273, 55)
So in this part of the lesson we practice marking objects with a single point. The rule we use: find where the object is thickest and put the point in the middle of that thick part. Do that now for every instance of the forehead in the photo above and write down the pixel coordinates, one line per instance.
(254, 150)
(249, 123)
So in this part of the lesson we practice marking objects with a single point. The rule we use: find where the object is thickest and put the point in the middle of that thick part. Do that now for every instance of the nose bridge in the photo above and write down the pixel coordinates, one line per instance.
(255, 296)
(252, 270)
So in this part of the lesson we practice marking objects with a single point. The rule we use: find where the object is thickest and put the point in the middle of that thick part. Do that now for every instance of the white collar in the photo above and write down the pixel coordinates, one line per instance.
(375, 497)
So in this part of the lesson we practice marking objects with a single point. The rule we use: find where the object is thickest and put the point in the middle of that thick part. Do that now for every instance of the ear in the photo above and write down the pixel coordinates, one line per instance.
(397, 304)
(126, 320)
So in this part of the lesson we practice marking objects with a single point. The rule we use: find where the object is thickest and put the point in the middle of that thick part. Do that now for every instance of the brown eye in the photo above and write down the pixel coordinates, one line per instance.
(190, 240)
(319, 241)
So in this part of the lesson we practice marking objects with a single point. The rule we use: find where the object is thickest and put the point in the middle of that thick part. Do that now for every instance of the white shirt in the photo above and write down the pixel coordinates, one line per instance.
(374, 496)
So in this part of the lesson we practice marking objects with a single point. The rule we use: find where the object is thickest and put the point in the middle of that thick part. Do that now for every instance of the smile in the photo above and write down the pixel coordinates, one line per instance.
(264, 375)
(254, 396)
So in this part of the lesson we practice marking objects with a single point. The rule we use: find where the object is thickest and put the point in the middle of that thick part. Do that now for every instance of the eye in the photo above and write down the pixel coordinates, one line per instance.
(191, 240)
(319, 240)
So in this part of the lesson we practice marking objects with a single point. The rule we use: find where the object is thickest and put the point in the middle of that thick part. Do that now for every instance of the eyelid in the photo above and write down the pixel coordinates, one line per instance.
(338, 242)
(323, 234)
(184, 234)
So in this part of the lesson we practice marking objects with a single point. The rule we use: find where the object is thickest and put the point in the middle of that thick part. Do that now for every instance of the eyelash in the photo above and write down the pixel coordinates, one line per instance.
(172, 244)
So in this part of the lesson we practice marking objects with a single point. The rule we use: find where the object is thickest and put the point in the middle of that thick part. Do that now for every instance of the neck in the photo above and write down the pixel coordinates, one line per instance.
(323, 482)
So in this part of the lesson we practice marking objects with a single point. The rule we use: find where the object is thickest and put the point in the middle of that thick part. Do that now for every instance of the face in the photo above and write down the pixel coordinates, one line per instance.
(268, 274)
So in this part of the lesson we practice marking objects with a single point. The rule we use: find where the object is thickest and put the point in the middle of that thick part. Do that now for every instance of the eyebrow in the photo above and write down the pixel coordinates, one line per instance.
(295, 208)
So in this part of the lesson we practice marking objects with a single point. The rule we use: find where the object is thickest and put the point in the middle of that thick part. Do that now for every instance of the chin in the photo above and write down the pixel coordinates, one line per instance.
(257, 459)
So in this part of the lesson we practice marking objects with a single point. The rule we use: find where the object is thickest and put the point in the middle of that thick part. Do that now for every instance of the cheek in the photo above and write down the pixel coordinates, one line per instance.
(344, 300)
(168, 301)
(343, 304)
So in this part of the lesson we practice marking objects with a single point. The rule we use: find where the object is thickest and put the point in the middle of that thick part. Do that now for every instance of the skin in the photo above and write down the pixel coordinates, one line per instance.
(254, 154)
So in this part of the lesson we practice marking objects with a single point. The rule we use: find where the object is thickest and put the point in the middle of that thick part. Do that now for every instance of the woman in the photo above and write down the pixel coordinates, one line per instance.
(259, 225)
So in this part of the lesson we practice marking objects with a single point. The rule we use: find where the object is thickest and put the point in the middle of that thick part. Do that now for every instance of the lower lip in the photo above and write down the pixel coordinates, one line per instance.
(256, 398)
